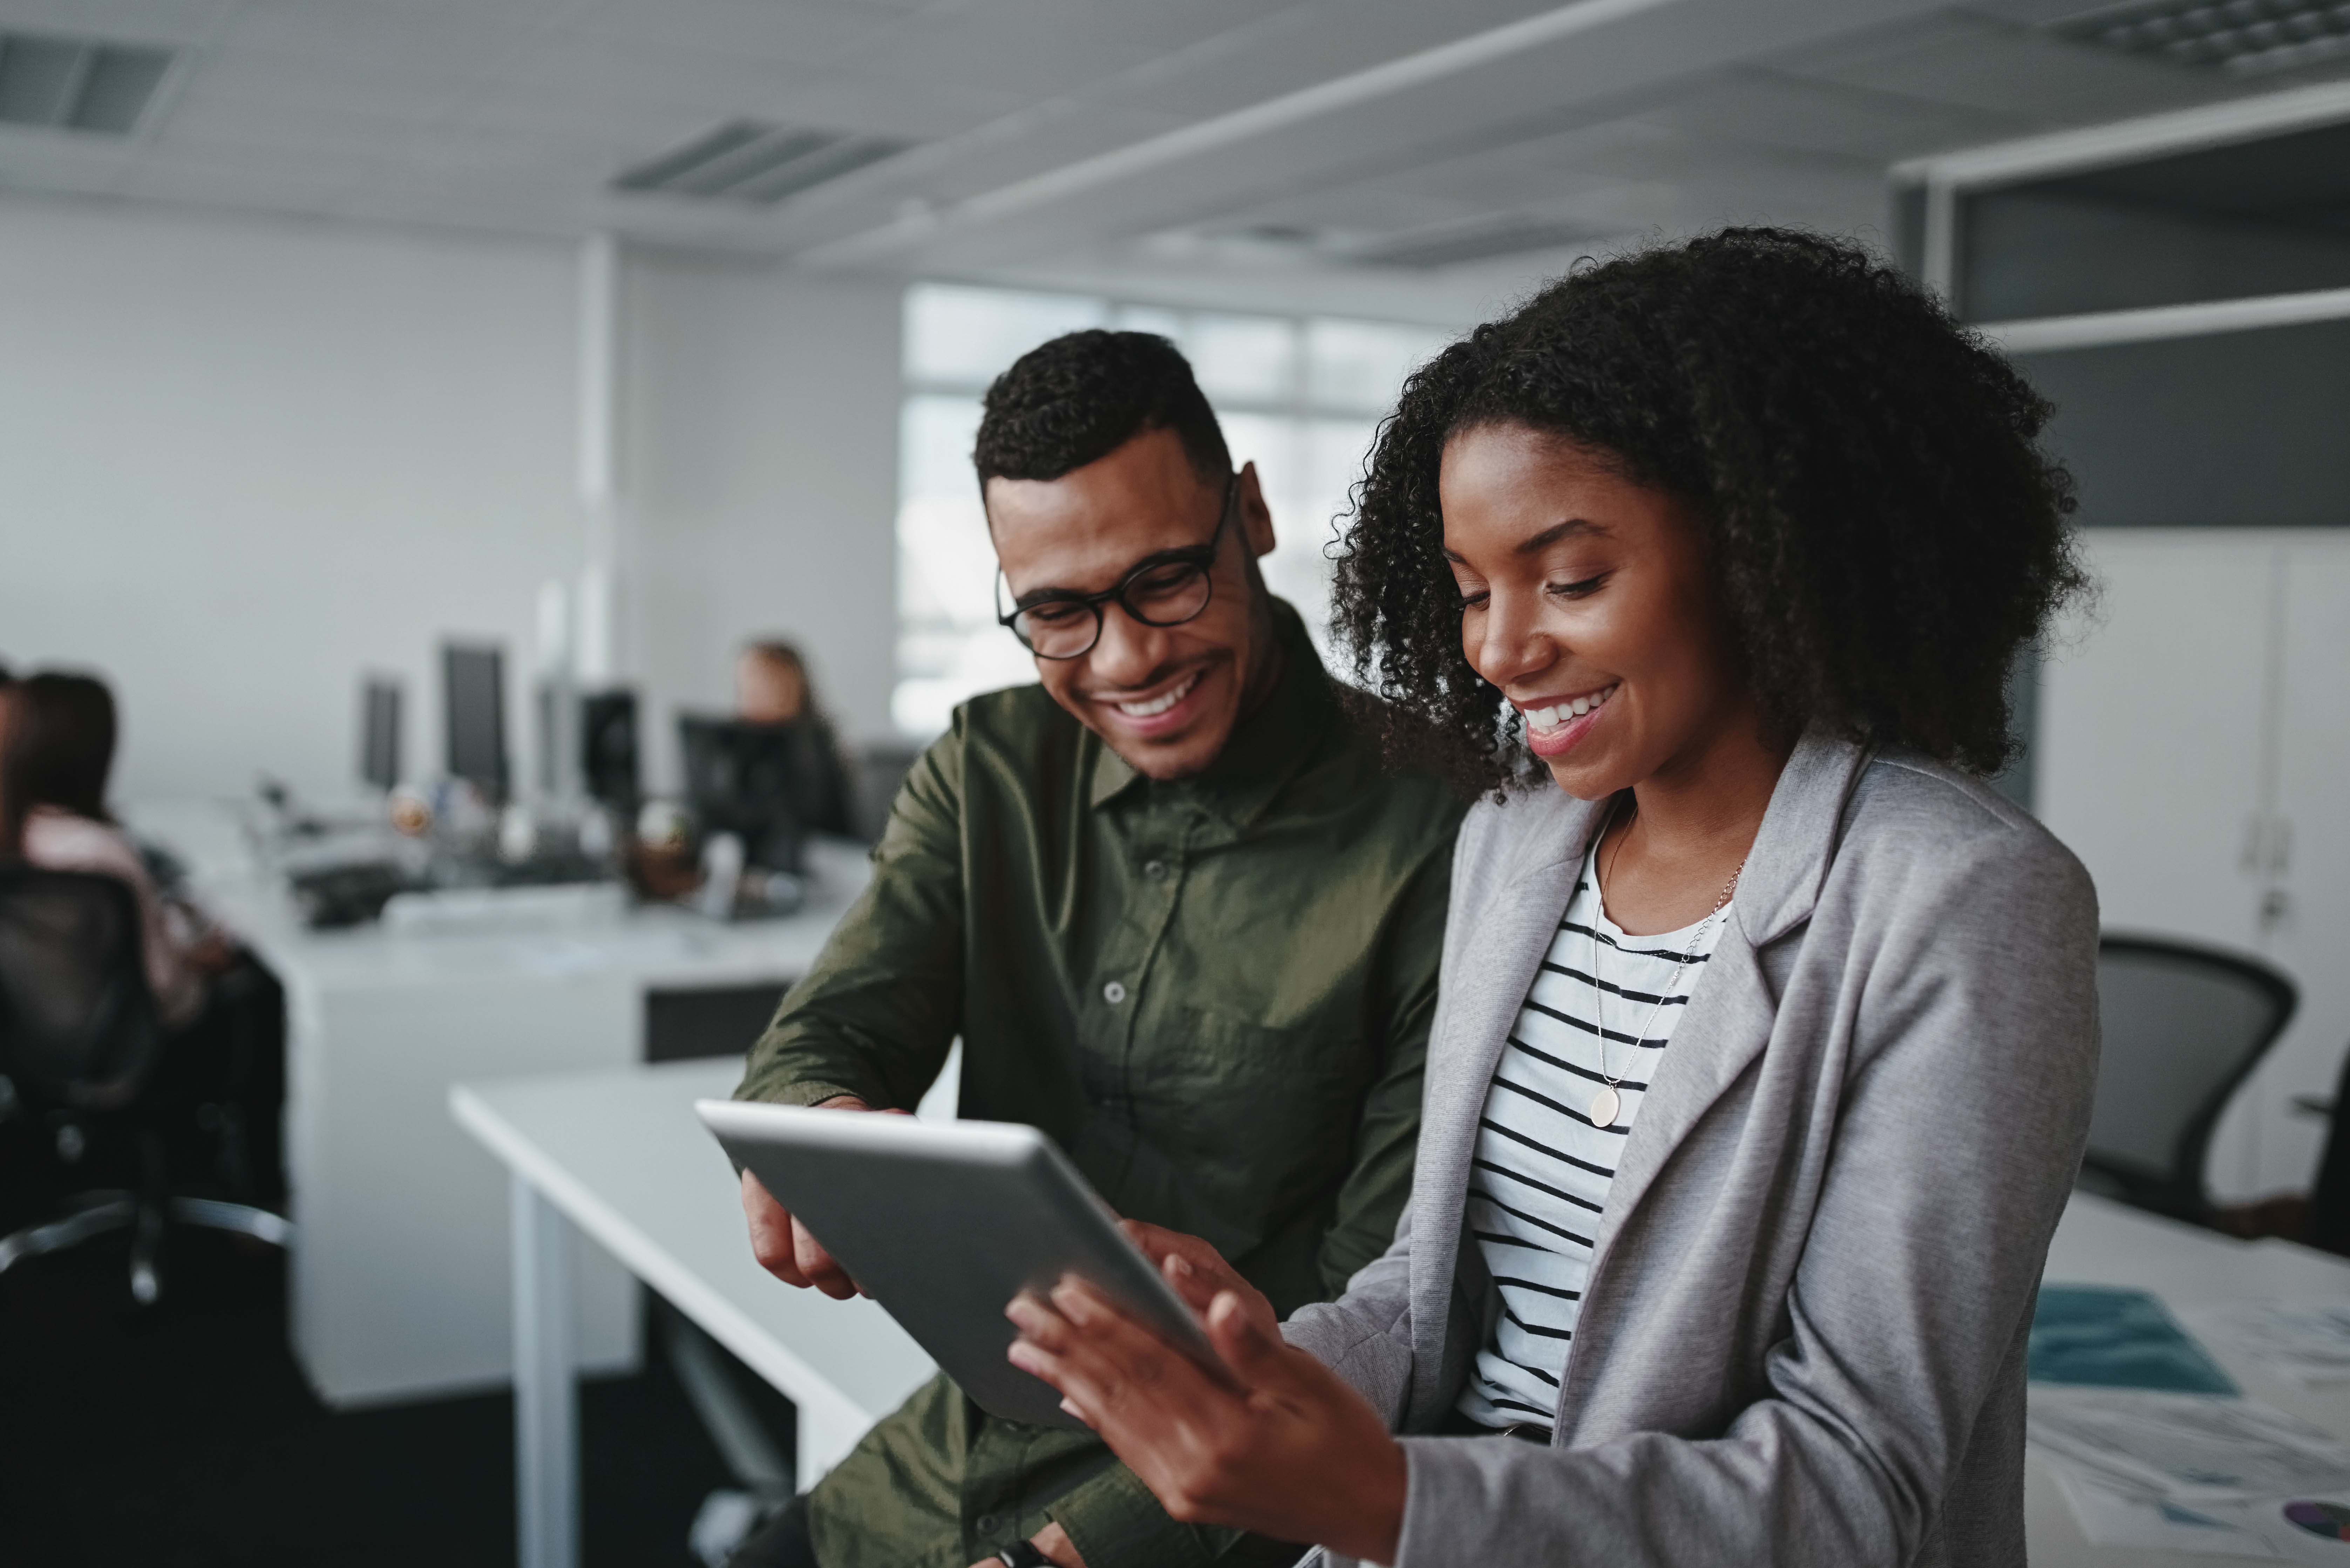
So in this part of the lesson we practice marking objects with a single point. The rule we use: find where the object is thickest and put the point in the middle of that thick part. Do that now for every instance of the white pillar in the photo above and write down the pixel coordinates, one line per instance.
(601, 653)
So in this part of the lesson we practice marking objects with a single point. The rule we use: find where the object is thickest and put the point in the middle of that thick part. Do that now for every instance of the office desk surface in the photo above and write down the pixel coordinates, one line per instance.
(401, 1286)
(2105, 1243)
(622, 1156)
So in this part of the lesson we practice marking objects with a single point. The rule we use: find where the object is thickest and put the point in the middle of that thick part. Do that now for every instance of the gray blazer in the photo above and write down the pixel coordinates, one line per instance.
(1803, 1336)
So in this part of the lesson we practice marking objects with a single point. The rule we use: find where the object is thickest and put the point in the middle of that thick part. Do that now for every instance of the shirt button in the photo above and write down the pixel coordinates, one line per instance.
(985, 1524)
(1156, 870)
(1114, 993)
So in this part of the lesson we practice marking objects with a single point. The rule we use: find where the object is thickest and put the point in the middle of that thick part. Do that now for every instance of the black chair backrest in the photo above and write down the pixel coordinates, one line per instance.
(78, 1021)
(2183, 1026)
(2328, 1225)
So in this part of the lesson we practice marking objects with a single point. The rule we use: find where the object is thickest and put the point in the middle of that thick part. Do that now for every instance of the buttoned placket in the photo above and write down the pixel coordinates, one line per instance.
(1161, 836)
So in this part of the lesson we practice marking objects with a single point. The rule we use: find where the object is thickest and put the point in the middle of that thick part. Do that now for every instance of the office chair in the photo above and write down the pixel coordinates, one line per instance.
(2184, 1026)
(881, 767)
(2328, 1221)
(79, 1043)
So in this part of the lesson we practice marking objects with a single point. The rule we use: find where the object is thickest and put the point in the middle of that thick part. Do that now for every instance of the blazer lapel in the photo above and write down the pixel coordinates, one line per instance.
(1500, 949)
(1730, 1017)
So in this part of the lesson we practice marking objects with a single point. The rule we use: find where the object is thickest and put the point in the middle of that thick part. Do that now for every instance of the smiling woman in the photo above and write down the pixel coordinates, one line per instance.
(1768, 1031)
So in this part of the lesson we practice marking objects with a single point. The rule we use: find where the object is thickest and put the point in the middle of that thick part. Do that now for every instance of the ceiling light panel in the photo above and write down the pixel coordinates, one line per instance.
(757, 160)
(2242, 38)
(77, 84)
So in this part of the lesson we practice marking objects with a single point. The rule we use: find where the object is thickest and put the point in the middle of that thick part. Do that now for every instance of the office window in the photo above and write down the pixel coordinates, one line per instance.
(1299, 398)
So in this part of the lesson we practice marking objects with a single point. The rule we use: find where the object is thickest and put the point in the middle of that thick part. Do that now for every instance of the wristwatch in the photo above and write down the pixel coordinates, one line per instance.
(1023, 1554)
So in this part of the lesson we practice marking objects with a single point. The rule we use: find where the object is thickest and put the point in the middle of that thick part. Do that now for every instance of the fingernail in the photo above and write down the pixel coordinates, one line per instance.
(1176, 1262)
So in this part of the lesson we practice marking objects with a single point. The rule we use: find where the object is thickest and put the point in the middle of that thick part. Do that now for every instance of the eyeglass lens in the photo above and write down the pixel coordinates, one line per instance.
(1164, 595)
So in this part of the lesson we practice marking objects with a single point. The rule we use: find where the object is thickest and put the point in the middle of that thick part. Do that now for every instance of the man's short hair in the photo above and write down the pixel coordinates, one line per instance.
(1079, 398)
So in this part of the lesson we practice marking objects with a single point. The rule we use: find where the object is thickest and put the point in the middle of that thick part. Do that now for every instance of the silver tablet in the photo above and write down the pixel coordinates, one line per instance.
(944, 1223)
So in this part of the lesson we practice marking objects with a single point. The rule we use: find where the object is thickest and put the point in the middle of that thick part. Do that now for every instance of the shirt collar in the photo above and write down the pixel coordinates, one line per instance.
(1265, 749)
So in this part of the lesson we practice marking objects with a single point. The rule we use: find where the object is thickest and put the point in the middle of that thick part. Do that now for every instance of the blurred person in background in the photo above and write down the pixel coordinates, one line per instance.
(222, 1079)
(772, 687)
(59, 751)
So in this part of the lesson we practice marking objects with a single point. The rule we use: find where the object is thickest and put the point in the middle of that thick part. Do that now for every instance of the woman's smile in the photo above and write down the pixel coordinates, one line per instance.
(1554, 724)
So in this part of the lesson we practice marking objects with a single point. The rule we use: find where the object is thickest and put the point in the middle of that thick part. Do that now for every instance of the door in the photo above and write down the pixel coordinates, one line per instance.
(2154, 712)
(2307, 916)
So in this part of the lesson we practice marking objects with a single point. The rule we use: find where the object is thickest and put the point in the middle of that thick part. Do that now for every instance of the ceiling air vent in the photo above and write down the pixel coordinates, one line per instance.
(753, 160)
(1480, 241)
(2243, 37)
(77, 84)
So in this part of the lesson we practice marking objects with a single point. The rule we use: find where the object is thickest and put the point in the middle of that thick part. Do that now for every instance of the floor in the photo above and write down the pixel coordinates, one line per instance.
(183, 1437)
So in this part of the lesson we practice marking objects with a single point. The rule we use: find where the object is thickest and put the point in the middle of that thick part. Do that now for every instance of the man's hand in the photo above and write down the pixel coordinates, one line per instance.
(1053, 1541)
(782, 1245)
(1199, 1275)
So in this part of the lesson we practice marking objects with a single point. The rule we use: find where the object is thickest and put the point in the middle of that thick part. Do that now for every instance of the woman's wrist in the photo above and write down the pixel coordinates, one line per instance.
(1378, 1485)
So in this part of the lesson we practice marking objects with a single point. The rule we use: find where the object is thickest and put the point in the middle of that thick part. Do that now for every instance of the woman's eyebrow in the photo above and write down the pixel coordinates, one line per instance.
(1566, 529)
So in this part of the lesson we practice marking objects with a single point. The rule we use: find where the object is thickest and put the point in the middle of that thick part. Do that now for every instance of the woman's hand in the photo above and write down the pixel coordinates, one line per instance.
(1278, 1445)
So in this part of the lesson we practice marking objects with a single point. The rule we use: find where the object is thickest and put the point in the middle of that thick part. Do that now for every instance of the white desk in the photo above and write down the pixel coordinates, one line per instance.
(620, 1156)
(399, 1283)
(2103, 1243)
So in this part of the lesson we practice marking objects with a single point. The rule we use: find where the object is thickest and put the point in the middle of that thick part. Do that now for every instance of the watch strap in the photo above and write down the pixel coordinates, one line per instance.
(1023, 1554)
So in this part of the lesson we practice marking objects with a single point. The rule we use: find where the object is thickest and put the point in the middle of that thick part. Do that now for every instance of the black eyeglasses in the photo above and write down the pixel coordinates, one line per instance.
(1165, 589)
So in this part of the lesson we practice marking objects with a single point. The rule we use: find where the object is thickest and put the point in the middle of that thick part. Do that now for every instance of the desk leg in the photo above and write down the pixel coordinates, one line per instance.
(546, 1400)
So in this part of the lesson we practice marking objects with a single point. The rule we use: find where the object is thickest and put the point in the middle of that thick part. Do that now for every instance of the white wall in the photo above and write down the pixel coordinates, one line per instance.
(759, 457)
(243, 462)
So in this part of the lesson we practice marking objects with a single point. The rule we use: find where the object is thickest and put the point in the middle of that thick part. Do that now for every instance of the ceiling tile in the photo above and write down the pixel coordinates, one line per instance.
(2002, 69)
(1765, 108)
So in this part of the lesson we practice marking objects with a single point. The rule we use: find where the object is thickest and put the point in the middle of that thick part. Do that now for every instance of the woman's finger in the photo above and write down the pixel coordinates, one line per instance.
(1255, 1357)
(1037, 1321)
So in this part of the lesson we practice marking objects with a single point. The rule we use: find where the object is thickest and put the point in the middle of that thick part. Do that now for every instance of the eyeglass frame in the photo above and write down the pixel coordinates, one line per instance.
(1200, 557)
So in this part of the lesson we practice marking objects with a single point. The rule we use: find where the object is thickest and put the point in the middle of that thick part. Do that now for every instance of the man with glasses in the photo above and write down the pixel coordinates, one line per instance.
(1179, 915)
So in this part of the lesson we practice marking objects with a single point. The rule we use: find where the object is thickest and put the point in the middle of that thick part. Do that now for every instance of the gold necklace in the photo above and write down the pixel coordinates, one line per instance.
(1608, 1103)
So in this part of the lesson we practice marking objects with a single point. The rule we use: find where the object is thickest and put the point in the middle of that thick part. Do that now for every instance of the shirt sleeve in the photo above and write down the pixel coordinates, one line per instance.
(1371, 1200)
(876, 1015)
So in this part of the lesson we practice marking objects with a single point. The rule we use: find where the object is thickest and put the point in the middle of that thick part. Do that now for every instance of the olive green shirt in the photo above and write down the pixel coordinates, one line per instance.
(1214, 993)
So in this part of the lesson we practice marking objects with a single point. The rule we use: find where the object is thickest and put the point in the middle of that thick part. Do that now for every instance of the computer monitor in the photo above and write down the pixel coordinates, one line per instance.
(742, 779)
(474, 710)
(608, 745)
(380, 704)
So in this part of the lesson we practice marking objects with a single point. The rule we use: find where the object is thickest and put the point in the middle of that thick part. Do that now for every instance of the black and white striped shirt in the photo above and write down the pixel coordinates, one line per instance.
(1542, 1168)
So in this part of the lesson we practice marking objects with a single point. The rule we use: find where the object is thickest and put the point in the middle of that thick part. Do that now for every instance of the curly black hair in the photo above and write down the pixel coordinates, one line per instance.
(1082, 396)
(1882, 528)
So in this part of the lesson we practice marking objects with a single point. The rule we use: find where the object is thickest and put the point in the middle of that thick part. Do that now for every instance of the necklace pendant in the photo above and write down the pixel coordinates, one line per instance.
(1603, 1106)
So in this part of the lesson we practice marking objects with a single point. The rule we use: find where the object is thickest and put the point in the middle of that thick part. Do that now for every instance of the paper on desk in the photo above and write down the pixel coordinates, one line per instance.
(2306, 1341)
(2112, 1515)
(2185, 1446)
(2109, 1337)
